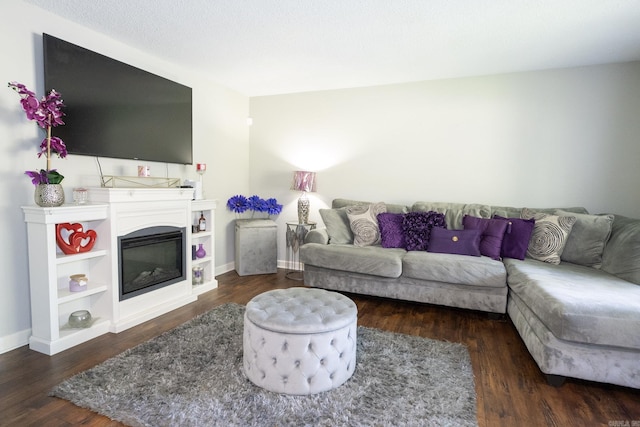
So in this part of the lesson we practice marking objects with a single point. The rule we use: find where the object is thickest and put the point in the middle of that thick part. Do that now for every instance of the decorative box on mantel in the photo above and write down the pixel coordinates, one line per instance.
(256, 246)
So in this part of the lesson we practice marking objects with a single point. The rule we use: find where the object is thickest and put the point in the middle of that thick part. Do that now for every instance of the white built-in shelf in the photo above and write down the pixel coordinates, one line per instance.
(65, 295)
(49, 271)
(207, 239)
(62, 258)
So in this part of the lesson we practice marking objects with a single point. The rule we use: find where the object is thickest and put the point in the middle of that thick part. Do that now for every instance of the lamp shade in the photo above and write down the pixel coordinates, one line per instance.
(304, 181)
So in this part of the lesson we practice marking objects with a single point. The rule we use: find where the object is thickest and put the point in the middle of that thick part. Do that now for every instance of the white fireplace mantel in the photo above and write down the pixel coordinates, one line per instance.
(133, 209)
(111, 212)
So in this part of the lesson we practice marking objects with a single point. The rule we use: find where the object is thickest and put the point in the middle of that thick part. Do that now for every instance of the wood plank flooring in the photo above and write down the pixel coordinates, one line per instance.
(510, 388)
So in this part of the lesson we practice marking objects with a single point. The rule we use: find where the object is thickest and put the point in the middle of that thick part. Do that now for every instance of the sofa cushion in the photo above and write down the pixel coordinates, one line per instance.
(516, 238)
(549, 235)
(509, 211)
(391, 207)
(492, 233)
(453, 212)
(417, 226)
(373, 260)
(578, 303)
(317, 235)
(391, 232)
(447, 268)
(588, 236)
(337, 224)
(621, 255)
(363, 220)
(459, 242)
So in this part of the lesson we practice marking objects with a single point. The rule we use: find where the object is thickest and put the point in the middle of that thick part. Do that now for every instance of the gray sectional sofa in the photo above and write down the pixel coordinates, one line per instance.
(579, 317)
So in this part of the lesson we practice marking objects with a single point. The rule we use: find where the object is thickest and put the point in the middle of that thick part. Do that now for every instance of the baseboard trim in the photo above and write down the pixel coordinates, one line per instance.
(15, 340)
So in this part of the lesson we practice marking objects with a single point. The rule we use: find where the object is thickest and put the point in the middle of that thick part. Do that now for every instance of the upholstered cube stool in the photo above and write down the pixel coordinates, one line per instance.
(300, 340)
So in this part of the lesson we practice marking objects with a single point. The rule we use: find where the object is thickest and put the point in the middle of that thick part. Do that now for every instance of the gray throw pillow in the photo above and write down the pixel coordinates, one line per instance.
(337, 224)
(364, 223)
(549, 235)
(588, 237)
(622, 253)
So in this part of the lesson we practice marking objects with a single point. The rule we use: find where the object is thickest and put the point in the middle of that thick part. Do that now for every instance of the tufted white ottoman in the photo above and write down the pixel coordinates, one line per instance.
(300, 340)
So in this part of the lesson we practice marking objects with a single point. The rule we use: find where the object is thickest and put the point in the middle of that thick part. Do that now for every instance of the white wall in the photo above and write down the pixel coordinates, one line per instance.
(539, 139)
(220, 134)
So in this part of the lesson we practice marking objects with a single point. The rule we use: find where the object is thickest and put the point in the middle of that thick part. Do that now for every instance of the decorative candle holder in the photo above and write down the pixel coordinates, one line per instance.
(78, 282)
(197, 275)
(201, 168)
(80, 319)
(80, 196)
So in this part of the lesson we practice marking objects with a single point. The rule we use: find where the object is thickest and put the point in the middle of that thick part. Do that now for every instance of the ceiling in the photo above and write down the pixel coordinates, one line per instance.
(266, 47)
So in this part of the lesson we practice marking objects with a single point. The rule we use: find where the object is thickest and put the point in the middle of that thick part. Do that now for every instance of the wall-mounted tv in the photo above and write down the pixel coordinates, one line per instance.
(116, 110)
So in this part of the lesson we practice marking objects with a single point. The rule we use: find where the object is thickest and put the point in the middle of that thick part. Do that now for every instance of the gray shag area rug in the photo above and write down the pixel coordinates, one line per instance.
(193, 376)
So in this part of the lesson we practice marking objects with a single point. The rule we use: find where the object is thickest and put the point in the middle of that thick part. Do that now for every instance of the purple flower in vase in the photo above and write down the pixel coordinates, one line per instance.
(47, 113)
(273, 208)
(257, 204)
(238, 204)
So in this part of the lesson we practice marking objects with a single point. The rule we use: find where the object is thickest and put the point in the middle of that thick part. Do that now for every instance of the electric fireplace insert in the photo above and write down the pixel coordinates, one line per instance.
(150, 259)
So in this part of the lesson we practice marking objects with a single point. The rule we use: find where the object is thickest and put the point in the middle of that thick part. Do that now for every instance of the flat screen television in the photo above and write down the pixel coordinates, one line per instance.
(116, 110)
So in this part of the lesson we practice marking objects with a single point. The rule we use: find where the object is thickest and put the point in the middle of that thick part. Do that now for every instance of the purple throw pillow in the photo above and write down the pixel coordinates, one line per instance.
(391, 231)
(417, 228)
(492, 233)
(516, 238)
(460, 242)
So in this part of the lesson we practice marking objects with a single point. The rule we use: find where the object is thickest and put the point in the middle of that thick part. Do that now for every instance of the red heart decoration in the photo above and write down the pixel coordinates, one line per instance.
(76, 240)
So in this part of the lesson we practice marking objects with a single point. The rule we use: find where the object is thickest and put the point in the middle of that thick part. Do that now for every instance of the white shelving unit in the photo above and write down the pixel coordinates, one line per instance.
(49, 269)
(116, 212)
(206, 238)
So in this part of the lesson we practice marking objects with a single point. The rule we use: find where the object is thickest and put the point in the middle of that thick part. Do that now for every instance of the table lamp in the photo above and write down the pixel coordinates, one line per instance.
(303, 181)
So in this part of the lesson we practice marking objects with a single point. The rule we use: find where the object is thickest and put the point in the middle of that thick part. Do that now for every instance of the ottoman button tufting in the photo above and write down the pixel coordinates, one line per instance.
(300, 340)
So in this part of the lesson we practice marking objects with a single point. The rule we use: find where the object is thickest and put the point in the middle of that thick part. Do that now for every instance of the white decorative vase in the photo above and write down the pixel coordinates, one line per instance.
(49, 195)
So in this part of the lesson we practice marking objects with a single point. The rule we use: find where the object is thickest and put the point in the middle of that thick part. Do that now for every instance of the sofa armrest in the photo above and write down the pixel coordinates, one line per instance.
(318, 235)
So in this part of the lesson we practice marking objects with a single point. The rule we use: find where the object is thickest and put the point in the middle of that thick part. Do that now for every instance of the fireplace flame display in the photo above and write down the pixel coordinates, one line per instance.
(150, 259)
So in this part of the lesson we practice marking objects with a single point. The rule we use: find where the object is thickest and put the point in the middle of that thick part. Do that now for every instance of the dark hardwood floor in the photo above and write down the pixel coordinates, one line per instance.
(511, 390)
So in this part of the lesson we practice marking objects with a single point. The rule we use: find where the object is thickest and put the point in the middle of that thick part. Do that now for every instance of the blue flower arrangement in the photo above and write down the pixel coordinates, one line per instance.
(241, 204)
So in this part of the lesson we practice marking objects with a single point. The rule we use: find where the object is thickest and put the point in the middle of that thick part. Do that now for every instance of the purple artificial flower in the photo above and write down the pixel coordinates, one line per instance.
(37, 177)
(52, 108)
(257, 204)
(273, 208)
(57, 146)
(47, 113)
(238, 204)
(45, 177)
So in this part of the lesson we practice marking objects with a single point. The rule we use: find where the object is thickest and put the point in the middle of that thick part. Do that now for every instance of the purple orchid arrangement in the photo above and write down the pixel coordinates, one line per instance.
(47, 112)
(240, 204)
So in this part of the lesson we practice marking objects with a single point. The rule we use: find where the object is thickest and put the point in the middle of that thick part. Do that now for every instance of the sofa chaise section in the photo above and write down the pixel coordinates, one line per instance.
(580, 321)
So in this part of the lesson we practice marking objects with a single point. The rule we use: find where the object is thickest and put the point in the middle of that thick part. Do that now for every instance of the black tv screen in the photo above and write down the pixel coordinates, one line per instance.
(116, 110)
